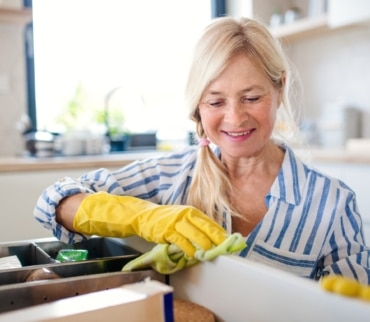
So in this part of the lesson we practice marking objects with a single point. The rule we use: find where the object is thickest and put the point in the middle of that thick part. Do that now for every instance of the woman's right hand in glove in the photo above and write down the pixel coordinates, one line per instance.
(109, 215)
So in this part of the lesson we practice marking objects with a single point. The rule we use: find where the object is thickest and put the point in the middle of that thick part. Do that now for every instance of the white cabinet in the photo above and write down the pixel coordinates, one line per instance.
(19, 192)
(347, 12)
(315, 16)
(357, 177)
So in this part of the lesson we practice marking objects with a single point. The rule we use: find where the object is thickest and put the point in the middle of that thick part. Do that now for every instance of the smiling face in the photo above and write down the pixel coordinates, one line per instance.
(238, 109)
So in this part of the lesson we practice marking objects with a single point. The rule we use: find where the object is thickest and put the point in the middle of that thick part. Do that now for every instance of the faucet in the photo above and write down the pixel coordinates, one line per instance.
(117, 144)
(107, 98)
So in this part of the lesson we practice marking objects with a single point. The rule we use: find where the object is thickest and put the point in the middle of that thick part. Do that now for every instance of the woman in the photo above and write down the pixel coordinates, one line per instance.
(247, 180)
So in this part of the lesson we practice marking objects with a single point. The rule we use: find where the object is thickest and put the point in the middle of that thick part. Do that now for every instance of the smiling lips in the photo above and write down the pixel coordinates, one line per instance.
(238, 134)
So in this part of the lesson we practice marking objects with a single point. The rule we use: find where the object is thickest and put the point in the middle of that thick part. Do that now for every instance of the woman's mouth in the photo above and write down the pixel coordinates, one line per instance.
(238, 134)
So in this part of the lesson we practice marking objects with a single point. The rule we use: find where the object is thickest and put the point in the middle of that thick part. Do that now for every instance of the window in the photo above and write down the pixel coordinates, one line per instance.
(129, 56)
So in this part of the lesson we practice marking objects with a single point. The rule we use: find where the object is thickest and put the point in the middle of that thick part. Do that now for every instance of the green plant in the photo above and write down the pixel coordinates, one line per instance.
(73, 112)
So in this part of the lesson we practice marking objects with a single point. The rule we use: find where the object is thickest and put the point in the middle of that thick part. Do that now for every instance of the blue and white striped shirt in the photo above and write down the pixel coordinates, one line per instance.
(312, 226)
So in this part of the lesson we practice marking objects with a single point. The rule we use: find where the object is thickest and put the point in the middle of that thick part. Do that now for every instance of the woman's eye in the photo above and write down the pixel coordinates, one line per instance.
(250, 99)
(217, 103)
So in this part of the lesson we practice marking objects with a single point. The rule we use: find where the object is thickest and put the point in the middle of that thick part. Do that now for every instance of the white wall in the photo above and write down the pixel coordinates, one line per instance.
(334, 68)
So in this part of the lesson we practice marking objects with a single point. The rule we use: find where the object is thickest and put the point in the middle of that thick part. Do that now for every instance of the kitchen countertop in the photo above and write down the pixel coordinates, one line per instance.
(116, 160)
(338, 156)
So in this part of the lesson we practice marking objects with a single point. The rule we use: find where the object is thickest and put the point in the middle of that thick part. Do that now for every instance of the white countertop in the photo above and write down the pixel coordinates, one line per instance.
(17, 164)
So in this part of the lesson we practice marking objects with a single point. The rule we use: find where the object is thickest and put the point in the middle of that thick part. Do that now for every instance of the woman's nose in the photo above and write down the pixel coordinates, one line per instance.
(235, 114)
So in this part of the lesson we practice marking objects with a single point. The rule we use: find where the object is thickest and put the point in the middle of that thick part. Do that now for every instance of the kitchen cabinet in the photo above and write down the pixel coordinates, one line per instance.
(316, 17)
(19, 193)
(347, 12)
(302, 28)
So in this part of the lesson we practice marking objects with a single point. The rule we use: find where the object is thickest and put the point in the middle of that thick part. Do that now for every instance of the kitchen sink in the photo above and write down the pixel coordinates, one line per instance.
(101, 270)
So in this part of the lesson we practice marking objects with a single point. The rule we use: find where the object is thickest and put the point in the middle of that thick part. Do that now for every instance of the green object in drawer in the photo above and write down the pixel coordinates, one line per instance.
(72, 255)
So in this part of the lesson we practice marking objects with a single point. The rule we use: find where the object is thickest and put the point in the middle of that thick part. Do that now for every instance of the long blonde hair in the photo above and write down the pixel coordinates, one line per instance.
(223, 39)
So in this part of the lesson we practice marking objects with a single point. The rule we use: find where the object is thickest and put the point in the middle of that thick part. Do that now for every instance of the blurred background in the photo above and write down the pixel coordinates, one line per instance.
(101, 78)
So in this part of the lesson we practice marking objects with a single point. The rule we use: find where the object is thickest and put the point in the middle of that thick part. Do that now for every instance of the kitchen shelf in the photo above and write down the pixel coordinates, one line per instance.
(302, 28)
(19, 16)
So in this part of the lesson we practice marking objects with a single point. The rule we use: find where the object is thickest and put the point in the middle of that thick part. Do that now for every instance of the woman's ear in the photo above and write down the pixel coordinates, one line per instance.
(196, 115)
(283, 81)
(282, 88)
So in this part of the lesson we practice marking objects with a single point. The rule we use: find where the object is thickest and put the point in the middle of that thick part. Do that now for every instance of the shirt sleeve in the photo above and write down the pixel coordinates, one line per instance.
(47, 203)
(98, 180)
(162, 180)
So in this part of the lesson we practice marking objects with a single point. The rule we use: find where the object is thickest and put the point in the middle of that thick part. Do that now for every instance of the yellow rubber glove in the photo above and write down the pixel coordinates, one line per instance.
(122, 216)
(345, 286)
(168, 259)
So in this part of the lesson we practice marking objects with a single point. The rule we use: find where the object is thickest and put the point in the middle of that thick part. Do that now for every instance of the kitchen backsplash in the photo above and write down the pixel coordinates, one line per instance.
(334, 69)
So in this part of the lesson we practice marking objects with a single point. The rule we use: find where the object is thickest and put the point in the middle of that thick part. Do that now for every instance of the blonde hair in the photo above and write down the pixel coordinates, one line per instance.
(223, 39)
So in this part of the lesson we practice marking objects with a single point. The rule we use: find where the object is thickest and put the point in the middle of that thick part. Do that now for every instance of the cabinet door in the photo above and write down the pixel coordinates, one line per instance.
(345, 12)
(19, 192)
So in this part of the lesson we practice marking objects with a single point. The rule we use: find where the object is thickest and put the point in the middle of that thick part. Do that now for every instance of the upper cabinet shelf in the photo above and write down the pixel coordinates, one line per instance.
(315, 17)
(19, 16)
(302, 28)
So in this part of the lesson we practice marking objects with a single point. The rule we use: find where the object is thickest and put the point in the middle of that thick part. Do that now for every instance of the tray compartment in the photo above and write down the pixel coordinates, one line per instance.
(28, 253)
(98, 248)
(105, 256)
(67, 269)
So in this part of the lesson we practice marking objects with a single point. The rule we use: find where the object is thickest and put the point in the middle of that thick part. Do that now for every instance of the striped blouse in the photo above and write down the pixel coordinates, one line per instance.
(312, 226)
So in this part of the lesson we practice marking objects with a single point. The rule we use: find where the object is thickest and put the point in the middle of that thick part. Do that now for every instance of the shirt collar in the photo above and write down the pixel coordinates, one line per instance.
(288, 185)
